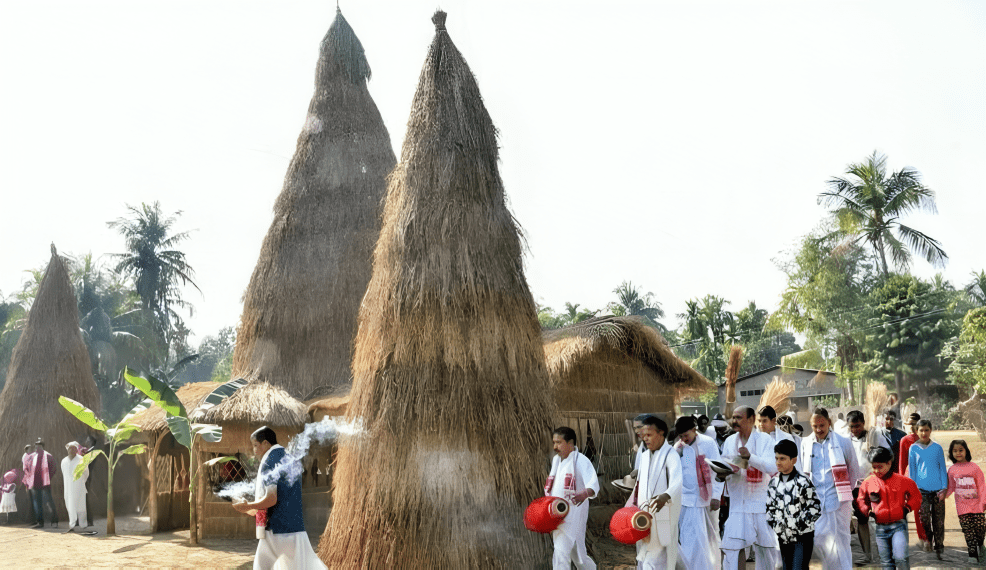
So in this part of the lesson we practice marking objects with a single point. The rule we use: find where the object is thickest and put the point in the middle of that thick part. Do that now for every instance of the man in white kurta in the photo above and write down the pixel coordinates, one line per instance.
(572, 478)
(698, 523)
(747, 487)
(75, 489)
(658, 491)
(767, 423)
(830, 462)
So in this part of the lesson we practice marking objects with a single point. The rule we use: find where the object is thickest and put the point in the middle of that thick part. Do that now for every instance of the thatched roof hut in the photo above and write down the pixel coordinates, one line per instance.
(605, 371)
(300, 308)
(449, 375)
(49, 360)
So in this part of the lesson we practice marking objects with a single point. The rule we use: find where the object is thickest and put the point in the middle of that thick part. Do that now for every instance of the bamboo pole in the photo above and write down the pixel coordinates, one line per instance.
(193, 529)
(152, 469)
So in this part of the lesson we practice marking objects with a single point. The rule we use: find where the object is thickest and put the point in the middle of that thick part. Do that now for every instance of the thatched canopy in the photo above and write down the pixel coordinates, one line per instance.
(449, 374)
(49, 360)
(258, 402)
(628, 339)
(300, 308)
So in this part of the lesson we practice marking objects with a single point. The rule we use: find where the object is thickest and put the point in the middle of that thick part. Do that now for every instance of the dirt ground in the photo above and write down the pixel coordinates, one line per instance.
(135, 547)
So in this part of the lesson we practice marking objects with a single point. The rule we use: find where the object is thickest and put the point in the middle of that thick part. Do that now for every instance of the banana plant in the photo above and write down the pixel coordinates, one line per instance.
(185, 432)
(116, 436)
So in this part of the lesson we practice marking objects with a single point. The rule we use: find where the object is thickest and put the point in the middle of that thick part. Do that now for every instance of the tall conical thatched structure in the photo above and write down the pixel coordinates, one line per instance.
(300, 309)
(49, 360)
(449, 374)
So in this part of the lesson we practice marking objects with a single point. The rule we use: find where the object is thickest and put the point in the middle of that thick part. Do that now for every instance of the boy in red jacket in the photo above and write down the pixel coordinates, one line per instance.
(888, 497)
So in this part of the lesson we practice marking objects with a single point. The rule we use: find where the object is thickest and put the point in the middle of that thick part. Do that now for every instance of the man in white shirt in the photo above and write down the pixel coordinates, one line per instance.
(699, 535)
(658, 492)
(75, 489)
(572, 478)
(830, 462)
(747, 488)
(767, 423)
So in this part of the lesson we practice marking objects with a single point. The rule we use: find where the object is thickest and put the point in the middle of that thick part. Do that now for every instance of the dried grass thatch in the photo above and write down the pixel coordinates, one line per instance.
(49, 360)
(732, 371)
(877, 400)
(258, 402)
(449, 373)
(300, 309)
(777, 395)
(566, 348)
(336, 407)
(151, 420)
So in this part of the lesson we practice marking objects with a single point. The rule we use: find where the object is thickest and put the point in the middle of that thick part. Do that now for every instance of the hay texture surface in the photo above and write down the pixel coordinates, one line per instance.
(732, 371)
(449, 374)
(777, 395)
(49, 360)
(300, 309)
(258, 402)
(877, 400)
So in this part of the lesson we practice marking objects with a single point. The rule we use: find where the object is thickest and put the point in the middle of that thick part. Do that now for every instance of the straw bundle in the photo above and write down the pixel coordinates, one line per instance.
(300, 309)
(777, 395)
(449, 373)
(732, 371)
(877, 400)
(49, 360)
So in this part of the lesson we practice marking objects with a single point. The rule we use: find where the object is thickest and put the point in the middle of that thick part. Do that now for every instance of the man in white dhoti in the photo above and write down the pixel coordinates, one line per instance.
(830, 462)
(283, 542)
(75, 489)
(767, 423)
(747, 487)
(698, 523)
(658, 491)
(572, 478)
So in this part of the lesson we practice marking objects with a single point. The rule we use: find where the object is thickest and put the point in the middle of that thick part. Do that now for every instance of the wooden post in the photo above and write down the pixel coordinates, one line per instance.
(200, 491)
(152, 470)
(193, 525)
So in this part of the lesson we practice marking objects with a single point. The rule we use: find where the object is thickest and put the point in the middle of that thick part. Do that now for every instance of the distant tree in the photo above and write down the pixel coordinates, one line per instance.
(574, 315)
(869, 206)
(157, 267)
(631, 302)
(976, 289)
(705, 324)
(967, 352)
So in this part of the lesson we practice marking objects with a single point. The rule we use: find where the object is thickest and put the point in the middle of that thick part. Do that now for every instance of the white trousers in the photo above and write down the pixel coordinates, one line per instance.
(698, 551)
(76, 507)
(749, 529)
(566, 553)
(290, 551)
(657, 559)
(832, 538)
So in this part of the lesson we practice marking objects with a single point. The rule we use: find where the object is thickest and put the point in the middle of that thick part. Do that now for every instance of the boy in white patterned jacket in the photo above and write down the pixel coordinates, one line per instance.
(792, 508)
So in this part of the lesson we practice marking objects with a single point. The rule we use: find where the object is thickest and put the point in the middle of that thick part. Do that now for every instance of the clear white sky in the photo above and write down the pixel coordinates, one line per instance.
(680, 145)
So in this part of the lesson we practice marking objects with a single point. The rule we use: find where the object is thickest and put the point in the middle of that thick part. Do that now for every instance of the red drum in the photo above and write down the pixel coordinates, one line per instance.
(544, 514)
(629, 525)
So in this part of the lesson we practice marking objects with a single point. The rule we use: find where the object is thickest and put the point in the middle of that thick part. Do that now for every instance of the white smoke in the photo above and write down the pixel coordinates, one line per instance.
(325, 432)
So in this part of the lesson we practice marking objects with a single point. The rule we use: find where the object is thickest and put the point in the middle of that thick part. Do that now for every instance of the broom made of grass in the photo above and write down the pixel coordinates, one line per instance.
(732, 372)
(877, 400)
(777, 395)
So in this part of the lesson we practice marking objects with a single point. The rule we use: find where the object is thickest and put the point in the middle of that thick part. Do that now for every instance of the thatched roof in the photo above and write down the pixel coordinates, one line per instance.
(300, 308)
(336, 406)
(448, 374)
(566, 348)
(258, 402)
(49, 360)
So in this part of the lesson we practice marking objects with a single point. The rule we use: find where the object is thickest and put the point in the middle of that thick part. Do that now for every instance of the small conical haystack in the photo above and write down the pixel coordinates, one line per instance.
(49, 360)
(300, 309)
(449, 374)
(777, 395)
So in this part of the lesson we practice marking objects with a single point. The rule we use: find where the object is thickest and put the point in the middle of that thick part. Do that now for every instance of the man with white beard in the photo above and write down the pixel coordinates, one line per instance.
(658, 492)
(699, 535)
(747, 487)
(75, 489)
(572, 478)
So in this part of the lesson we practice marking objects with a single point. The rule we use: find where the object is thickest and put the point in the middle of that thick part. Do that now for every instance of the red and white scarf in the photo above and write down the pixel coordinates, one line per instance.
(570, 487)
(837, 463)
(702, 470)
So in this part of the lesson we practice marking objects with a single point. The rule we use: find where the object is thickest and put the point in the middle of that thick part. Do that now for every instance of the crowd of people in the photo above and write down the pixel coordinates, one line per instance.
(36, 475)
(754, 488)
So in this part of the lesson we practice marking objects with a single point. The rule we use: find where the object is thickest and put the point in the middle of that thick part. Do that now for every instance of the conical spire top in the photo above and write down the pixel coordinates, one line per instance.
(342, 52)
(439, 20)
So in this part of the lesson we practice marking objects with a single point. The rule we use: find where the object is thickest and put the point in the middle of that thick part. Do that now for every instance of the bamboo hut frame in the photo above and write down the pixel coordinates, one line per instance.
(449, 374)
(300, 308)
(49, 360)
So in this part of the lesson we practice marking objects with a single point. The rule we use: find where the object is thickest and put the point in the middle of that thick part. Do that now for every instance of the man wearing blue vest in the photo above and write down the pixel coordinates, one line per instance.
(283, 540)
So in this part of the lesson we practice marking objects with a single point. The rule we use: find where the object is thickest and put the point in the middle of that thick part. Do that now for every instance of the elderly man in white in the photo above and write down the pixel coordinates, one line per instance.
(75, 489)
(747, 487)
(698, 523)
(658, 492)
(830, 462)
(572, 478)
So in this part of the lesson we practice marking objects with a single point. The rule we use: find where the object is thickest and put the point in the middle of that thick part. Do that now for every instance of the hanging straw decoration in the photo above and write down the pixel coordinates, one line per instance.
(877, 400)
(777, 395)
(732, 371)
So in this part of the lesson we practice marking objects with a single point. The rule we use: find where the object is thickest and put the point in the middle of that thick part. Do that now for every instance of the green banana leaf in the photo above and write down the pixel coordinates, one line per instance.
(86, 460)
(218, 460)
(158, 391)
(181, 429)
(134, 449)
(82, 413)
(208, 432)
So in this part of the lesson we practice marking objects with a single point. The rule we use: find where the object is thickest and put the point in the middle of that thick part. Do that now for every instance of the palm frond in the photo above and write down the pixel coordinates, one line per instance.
(925, 245)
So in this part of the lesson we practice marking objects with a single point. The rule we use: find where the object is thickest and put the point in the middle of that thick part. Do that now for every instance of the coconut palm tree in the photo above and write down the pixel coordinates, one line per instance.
(156, 266)
(869, 206)
(976, 289)
(630, 301)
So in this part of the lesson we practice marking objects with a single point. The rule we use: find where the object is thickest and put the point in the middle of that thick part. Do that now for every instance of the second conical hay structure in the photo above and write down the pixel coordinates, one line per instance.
(49, 360)
(449, 375)
(300, 309)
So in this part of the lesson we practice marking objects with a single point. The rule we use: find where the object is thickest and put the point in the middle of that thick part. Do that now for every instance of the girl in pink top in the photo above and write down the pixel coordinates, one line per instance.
(965, 479)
